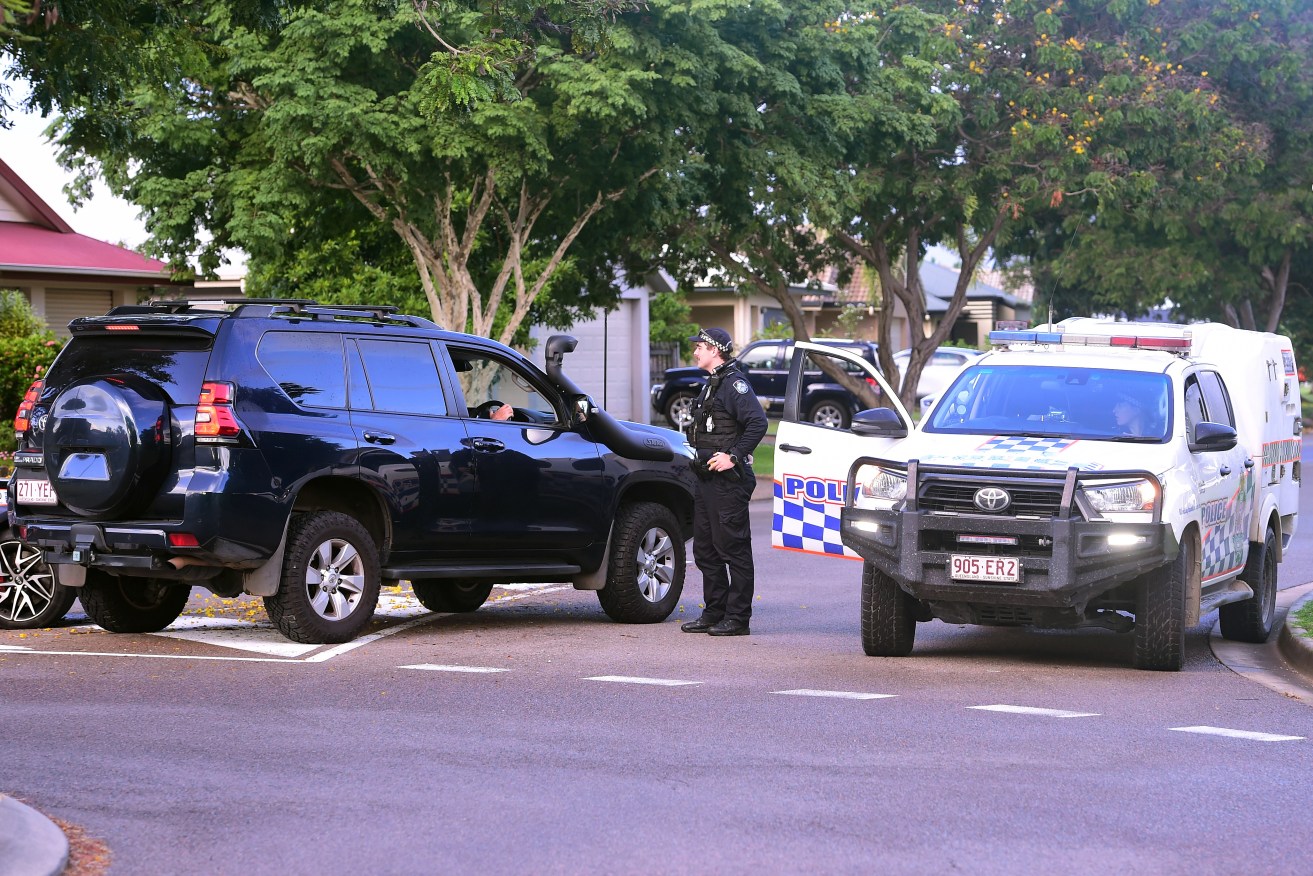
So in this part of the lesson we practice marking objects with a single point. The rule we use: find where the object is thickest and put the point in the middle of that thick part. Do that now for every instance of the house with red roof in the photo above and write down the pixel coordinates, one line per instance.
(65, 274)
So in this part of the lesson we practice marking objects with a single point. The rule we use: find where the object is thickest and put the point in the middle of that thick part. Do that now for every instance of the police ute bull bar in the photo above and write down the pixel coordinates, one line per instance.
(1066, 557)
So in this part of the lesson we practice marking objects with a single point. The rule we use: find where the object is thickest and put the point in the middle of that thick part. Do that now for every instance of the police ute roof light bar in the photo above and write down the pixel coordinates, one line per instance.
(1179, 344)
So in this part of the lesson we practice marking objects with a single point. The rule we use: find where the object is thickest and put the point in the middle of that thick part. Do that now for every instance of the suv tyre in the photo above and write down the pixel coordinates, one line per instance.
(1160, 614)
(1252, 619)
(888, 615)
(330, 579)
(29, 597)
(132, 605)
(646, 574)
(451, 596)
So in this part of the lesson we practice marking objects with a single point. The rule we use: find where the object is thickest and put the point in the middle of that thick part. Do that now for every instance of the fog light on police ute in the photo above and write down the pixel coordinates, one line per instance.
(1125, 539)
(867, 526)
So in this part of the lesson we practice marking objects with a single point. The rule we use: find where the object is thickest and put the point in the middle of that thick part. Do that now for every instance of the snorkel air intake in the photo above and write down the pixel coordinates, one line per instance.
(618, 437)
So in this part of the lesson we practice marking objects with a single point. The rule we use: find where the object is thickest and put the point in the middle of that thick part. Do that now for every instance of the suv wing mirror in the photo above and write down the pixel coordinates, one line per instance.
(880, 423)
(1210, 437)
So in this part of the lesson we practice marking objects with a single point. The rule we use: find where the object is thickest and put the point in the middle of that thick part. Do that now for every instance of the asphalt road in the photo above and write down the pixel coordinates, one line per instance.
(213, 751)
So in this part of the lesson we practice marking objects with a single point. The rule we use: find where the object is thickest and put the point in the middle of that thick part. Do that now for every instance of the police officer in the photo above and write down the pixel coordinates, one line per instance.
(728, 423)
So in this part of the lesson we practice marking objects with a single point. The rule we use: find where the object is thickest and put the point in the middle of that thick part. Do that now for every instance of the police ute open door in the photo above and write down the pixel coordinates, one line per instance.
(827, 388)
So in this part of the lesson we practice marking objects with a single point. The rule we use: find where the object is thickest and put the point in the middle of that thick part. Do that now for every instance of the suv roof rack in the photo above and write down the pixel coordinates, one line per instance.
(304, 308)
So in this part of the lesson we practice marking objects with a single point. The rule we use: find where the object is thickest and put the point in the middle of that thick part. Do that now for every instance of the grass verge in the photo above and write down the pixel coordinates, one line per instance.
(1304, 618)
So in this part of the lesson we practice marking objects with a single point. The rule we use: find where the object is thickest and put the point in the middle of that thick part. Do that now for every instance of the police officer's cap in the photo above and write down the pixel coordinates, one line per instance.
(718, 338)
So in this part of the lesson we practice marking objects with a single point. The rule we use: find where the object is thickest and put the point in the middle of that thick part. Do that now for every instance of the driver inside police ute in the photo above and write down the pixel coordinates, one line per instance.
(1128, 412)
(505, 412)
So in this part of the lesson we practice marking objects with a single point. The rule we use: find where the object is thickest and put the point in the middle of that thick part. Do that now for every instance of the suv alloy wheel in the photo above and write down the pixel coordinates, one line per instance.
(643, 586)
(29, 597)
(330, 579)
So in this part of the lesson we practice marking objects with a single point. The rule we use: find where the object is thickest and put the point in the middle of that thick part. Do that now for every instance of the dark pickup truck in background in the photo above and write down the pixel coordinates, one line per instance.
(766, 364)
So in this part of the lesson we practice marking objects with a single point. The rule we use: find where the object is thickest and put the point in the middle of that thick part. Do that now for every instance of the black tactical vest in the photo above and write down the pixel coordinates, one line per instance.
(714, 428)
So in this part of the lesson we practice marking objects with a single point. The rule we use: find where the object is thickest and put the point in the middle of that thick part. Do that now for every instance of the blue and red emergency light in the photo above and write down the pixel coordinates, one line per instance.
(1138, 342)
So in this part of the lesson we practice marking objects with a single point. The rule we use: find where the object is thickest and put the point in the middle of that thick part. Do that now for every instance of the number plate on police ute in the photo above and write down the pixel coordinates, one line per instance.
(1003, 570)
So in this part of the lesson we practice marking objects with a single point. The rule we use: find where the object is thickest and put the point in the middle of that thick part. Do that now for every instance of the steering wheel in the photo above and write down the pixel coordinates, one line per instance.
(484, 411)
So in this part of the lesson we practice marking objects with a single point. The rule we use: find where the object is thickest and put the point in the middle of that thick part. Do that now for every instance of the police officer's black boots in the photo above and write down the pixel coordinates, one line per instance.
(702, 625)
(730, 627)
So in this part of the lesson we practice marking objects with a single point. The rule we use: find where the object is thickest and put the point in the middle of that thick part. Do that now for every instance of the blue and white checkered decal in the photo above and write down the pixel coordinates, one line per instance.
(808, 518)
(1007, 451)
(1225, 525)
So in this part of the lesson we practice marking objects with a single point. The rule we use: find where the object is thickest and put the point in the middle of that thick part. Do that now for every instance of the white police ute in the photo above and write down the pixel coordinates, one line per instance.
(1090, 473)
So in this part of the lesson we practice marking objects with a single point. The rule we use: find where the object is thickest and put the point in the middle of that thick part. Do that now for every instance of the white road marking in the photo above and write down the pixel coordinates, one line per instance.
(632, 679)
(1237, 734)
(436, 667)
(210, 629)
(1028, 710)
(836, 694)
(227, 632)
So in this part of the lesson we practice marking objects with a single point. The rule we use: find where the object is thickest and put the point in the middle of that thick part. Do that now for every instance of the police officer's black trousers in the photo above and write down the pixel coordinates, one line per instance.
(722, 546)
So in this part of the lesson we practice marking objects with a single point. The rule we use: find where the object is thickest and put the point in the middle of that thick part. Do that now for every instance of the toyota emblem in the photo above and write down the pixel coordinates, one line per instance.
(992, 499)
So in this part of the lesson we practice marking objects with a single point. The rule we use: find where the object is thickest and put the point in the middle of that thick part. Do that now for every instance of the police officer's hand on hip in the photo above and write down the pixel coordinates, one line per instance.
(728, 424)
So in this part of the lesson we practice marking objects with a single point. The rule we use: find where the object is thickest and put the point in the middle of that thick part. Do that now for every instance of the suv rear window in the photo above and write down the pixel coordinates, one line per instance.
(176, 364)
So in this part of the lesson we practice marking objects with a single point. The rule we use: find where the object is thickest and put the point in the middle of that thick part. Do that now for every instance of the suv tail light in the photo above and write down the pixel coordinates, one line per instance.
(21, 422)
(214, 412)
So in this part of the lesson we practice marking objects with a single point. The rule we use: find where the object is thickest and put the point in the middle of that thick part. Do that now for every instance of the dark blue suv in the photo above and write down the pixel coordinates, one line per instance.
(766, 363)
(307, 454)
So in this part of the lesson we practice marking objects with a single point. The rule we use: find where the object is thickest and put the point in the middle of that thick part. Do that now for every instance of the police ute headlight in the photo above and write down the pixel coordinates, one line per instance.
(885, 484)
(1129, 497)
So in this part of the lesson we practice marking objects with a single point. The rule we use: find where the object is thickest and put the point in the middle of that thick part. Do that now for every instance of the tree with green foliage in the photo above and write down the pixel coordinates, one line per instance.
(1035, 105)
(486, 137)
(669, 320)
(1219, 238)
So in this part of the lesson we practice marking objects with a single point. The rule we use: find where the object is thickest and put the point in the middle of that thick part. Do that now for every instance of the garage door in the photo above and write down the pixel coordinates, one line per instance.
(63, 305)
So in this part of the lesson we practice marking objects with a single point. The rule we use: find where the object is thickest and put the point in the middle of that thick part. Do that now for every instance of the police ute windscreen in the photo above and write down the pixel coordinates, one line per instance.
(1043, 401)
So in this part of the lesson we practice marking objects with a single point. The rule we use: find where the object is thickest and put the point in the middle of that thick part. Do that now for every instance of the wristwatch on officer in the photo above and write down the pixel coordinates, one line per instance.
(734, 460)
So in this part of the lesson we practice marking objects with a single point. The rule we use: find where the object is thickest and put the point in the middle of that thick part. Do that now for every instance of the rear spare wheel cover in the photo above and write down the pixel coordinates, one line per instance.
(103, 440)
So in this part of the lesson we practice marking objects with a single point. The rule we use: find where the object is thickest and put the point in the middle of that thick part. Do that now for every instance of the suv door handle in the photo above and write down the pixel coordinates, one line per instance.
(793, 448)
(1249, 462)
(380, 438)
(1224, 470)
(487, 445)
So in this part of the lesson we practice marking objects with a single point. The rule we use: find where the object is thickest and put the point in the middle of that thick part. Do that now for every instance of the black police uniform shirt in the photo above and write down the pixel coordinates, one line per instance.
(737, 422)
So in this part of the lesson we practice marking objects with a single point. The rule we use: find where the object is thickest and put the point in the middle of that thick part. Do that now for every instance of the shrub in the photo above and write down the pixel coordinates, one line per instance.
(22, 360)
(17, 318)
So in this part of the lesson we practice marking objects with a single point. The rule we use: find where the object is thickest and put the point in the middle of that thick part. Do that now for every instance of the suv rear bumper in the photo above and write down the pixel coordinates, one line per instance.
(1079, 565)
(220, 526)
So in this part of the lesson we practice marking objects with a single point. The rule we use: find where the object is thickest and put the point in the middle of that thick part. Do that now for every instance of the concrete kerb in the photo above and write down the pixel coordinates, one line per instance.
(30, 843)
(1296, 646)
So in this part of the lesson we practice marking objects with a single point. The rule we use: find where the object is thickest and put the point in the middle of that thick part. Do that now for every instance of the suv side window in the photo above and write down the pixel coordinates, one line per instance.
(485, 378)
(1216, 401)
(402, 377)
(307, 366)
(764, 357)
